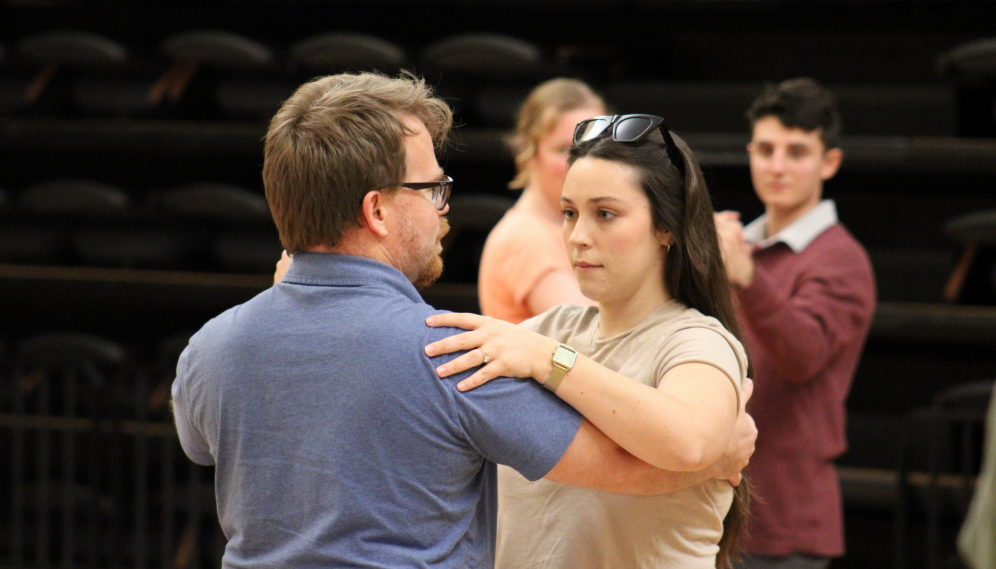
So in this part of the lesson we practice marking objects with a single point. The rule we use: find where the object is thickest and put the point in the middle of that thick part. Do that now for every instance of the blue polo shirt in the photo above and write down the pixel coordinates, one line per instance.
(335, 443)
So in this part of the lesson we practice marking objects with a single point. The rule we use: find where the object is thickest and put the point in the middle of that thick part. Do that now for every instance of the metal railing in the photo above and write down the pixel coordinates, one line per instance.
(91, 472)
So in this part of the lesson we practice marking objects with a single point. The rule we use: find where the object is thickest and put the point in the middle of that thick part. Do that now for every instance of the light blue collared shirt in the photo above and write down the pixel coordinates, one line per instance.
(799, 234)
(335, 442)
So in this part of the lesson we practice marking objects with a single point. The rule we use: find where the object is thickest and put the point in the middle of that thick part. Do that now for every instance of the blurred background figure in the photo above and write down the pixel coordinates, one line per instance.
(524, 266)
(806, 295)
(977, 540)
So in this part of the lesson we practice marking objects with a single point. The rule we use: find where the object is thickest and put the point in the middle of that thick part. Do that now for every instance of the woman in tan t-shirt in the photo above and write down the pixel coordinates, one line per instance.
(524, 267)
(658, 368)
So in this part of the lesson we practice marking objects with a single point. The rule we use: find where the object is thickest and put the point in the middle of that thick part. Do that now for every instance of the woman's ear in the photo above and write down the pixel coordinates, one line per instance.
(664, 237)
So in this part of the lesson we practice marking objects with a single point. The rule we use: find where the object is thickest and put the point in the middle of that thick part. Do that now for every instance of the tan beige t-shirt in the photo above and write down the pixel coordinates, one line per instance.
(544, 524)
(520, 250)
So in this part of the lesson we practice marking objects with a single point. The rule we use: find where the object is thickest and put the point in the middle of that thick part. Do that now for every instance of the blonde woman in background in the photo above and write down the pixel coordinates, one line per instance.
(524, 267)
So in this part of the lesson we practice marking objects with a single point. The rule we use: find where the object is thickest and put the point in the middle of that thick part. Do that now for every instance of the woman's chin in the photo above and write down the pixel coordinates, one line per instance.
(592, 292)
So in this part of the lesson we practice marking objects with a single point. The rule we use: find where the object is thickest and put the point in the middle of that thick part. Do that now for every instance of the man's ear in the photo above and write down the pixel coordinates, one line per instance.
(831, 163)
(375, 211)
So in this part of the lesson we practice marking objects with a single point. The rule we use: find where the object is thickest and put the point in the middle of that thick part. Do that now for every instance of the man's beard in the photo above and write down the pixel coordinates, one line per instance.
(430, 265)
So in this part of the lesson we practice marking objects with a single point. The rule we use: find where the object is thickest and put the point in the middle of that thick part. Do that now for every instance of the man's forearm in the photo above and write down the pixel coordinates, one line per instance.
(648, 480)
(595, 461)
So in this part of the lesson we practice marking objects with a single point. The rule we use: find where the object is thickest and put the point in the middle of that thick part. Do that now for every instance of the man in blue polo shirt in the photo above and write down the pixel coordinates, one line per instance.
(336, 445)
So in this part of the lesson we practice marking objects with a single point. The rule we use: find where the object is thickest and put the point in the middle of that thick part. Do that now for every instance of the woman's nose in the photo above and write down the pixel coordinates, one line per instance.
(579, 235)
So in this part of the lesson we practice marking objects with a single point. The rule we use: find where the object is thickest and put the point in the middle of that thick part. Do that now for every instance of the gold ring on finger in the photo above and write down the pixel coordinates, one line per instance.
(485, 354)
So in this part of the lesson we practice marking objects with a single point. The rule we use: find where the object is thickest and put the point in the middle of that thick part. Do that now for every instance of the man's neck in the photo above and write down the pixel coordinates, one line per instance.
(323, 249)
(779, 219)
(352, 244)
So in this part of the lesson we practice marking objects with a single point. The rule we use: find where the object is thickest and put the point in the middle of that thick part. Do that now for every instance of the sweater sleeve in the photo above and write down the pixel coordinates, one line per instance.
(803, 327)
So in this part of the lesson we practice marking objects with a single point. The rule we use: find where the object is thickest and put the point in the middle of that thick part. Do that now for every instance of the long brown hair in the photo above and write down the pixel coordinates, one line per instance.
(693, 269)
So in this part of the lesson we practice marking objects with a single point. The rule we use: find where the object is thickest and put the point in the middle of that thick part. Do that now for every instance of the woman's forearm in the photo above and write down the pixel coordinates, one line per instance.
(654, 425)
(682, 426)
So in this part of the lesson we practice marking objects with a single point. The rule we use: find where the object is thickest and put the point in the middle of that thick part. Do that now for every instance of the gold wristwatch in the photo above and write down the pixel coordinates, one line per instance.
(563, 362)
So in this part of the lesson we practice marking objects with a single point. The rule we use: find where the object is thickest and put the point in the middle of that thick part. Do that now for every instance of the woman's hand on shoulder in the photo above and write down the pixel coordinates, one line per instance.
(282, 265)
(503, 349)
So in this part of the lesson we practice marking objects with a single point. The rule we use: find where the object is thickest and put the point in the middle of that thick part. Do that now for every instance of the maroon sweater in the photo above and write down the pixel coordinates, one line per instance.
(805, 318)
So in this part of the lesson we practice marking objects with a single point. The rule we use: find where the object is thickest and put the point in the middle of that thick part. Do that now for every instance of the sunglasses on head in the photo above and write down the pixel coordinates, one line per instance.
(629, 128)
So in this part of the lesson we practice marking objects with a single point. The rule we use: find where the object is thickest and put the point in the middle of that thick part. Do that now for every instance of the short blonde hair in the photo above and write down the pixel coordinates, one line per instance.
(539, 115)
(333, 141)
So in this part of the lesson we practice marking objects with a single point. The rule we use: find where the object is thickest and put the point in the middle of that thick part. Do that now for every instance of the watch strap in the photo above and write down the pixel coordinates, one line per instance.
(556, 376)
(564, 357)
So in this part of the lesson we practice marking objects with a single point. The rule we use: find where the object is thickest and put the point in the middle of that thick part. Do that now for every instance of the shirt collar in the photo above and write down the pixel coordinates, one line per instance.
(800, 233)
(332, 269)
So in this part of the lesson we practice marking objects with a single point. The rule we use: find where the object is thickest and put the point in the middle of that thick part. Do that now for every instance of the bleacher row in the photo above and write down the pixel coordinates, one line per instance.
(86, 223)
(218, 74)
(75, 72)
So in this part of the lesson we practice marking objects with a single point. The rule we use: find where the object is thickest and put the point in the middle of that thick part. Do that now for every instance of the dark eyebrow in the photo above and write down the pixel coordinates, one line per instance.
(593, 200)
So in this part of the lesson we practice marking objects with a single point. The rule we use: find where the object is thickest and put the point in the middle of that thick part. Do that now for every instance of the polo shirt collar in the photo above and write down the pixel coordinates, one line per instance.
(800, 233)
(332, 269)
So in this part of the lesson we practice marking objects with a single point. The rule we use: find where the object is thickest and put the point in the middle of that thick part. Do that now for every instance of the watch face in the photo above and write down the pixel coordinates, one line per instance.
(564, 356)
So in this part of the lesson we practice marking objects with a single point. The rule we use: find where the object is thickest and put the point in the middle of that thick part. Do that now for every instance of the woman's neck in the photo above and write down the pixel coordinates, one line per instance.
(536, 201)
(622, 315)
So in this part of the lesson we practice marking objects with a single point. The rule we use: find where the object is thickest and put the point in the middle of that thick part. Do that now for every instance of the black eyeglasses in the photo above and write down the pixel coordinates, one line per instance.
(441, 190)
(629, 128)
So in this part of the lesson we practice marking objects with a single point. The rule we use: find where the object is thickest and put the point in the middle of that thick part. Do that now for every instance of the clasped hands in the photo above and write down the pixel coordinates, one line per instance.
(513, 351)
(737, 259)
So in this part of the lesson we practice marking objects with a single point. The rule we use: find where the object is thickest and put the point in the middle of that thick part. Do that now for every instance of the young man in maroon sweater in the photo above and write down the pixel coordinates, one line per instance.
(805, 296)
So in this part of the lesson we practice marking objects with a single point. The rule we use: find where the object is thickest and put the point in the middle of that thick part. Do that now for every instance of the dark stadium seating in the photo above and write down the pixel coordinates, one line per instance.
(57, 51)
(972, 68)
(76, 198)
(487, 56)
(345, 51)
(216, 202)
(973, 278)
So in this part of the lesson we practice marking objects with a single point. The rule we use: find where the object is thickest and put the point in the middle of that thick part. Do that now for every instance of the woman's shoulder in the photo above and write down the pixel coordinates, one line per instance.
(688, 330)
(562, 321)
(692, 319)
(674, 316)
